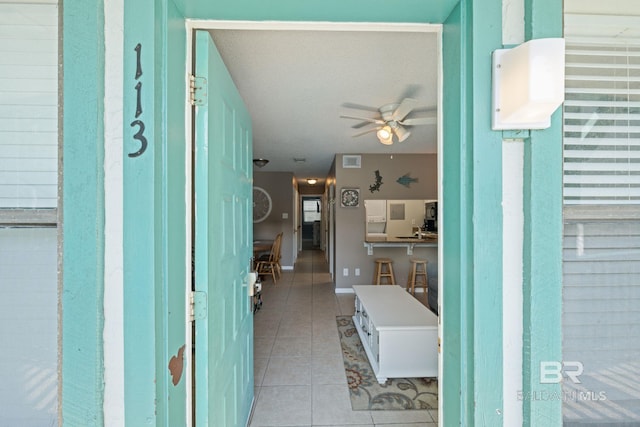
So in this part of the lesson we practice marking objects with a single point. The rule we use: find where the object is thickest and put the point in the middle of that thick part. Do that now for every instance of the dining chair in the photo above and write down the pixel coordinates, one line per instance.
(270, 264)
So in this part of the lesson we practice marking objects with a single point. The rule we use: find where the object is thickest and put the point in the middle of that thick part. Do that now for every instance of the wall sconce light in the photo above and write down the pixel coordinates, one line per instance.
(260, 162)
(528, 84)
(311, 181)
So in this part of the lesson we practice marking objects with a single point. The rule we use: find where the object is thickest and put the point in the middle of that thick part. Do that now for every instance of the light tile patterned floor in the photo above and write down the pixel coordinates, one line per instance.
(299, 375)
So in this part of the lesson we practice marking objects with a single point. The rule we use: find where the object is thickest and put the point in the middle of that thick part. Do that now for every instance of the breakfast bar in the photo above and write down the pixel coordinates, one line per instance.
(425, 240)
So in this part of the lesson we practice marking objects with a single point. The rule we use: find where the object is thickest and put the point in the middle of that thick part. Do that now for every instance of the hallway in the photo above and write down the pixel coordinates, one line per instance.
(299, 372)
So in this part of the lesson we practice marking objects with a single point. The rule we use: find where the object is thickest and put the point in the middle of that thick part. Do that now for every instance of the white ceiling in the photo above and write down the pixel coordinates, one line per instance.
(295, 84)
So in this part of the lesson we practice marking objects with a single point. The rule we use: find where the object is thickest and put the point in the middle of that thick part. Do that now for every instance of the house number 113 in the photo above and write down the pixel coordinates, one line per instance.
(139, 135)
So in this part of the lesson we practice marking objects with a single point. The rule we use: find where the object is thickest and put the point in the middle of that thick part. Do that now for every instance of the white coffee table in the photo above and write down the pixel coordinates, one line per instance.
(399, 334)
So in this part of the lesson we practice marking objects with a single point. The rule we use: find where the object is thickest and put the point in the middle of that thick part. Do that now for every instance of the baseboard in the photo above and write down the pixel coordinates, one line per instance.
(287, 267)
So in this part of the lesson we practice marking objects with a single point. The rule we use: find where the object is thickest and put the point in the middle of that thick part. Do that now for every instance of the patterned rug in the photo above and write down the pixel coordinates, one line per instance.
(366, 393)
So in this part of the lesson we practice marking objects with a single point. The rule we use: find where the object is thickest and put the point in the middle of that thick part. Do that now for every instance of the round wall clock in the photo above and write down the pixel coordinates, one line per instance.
(349, 197)
(261, 204)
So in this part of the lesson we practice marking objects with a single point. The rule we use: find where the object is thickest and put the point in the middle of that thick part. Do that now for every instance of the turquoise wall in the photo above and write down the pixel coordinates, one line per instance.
(542, 275)
(435, 11)
(155, 214)
(455, 402)
(472, 229)
(83, 214)
(485, 214)
(154, 205)
(173, 207)
(142, 252)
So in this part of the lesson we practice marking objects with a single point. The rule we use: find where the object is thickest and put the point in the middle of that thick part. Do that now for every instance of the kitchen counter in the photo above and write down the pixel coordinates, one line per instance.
(427, 240)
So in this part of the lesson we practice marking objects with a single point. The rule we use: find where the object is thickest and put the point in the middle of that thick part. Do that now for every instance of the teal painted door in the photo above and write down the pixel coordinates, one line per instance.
(223, 246)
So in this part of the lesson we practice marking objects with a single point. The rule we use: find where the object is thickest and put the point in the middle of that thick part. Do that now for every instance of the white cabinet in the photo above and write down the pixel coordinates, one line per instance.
(399, 334)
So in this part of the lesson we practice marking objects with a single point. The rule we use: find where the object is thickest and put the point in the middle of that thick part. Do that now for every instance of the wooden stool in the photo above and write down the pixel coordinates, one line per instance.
(418, 275)
(384, 270)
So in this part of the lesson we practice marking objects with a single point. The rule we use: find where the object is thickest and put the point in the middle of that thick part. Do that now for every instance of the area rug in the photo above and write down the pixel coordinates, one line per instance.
(365, 391)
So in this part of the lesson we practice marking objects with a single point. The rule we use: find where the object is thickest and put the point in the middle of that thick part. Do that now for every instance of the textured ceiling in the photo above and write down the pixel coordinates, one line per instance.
(295, 83)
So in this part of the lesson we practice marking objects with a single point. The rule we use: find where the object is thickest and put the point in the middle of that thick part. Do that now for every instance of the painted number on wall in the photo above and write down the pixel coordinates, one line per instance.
(139, 135)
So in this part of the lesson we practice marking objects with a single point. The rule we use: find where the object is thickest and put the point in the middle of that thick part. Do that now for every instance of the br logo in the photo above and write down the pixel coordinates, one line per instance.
(551, 371)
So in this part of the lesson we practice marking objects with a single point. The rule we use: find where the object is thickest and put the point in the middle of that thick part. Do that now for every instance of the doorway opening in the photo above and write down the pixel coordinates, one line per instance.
(310, 207)
(311, 220)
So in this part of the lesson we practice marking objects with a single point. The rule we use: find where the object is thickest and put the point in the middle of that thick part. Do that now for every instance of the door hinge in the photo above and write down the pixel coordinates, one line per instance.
(197, 90)
(198, 305)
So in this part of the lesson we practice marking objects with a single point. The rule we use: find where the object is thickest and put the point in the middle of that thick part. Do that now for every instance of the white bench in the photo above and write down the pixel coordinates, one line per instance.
(399, 334)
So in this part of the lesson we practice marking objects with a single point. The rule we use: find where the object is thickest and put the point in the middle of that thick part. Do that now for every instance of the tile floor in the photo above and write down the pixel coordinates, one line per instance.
(299, 375)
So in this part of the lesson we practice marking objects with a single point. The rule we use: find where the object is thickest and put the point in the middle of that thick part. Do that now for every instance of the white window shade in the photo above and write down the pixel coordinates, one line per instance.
(28, 326)
(601, 245)
(28, 105)
(602, 124)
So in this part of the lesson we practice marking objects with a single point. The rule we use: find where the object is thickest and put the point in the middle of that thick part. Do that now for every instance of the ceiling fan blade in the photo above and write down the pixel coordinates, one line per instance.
(419, 121)
(404, 108)
(412, 91)
(430, 111)
(361, 124)
(360, 107)
(366, 119)
(366, 132)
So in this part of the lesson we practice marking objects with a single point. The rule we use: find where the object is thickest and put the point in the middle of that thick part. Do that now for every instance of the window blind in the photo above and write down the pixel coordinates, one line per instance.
(601, 245)
(28, 105)
(602, 124)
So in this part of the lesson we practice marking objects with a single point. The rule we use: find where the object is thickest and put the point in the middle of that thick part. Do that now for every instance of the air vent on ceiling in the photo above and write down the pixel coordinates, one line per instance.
(351, 161)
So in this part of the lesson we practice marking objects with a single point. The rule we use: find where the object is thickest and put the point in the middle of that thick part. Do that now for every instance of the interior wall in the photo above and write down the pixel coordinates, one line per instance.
(350, 221)
(279, 185)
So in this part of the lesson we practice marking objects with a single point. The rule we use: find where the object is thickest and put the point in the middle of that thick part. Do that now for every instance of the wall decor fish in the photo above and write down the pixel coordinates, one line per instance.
(378, 183)
(406, 180)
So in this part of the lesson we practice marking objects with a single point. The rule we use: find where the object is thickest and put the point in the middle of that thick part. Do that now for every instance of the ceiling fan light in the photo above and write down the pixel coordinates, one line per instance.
(402, 133)
(386, 141)
(384, 133)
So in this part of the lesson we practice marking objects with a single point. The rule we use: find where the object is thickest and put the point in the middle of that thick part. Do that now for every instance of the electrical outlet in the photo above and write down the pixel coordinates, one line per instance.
(356, 272)
(345, 272)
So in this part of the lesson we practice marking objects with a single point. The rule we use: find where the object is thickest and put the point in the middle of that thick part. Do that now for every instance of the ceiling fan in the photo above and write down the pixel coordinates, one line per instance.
(392, 121)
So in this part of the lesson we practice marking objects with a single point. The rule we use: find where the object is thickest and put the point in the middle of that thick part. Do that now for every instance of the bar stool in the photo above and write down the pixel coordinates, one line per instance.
(384, 270)
(418, 275)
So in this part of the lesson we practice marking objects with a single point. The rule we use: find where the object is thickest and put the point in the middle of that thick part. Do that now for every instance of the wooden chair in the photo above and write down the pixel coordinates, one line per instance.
(270, 264)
